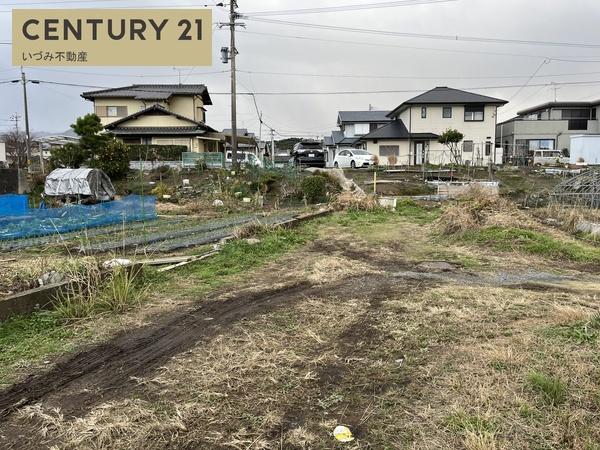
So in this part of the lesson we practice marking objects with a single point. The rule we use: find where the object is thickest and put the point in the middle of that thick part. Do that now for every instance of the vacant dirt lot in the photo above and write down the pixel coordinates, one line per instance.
(378, 324)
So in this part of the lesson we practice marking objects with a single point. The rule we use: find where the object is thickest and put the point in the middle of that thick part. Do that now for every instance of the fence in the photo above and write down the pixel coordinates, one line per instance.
(41, 222)
(212, 160)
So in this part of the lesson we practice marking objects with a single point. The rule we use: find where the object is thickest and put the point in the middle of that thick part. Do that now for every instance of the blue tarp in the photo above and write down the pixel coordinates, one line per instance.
(41, 222)
(13, 204)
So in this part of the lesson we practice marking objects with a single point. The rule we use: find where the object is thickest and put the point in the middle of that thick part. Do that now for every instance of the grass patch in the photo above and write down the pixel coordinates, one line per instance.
(533, 242)
(239, 256)
(553, 390)
(580, 332)
(463, 422)
(406, 209)
(25, 339)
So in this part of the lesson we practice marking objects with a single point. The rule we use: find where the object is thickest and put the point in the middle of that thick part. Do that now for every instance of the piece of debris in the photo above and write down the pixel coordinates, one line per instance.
(252, 241)
(246, 199)
(117, 262)
(343, 434)
(218, 203)
(52, 277)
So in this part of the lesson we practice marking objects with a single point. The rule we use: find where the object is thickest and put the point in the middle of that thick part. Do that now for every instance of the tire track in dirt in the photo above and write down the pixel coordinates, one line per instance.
(105, 371)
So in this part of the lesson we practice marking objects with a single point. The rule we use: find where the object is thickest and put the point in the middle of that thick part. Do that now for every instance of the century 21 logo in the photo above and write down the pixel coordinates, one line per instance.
(114, 29)
(112, 37)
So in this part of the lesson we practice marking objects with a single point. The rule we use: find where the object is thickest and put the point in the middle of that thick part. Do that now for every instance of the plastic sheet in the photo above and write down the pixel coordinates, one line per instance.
(13, 204)
(42, 222)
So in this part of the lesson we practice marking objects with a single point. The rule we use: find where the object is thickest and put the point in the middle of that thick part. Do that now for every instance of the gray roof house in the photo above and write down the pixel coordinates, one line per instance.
(545, 130)
(415, 125)
(353, 125)
(158, 114)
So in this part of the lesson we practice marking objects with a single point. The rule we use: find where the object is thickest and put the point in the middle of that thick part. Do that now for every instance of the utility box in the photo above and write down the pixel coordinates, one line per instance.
(585, 149)
(13, 181)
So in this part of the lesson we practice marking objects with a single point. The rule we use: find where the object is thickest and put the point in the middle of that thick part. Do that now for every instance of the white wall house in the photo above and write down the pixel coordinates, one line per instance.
(2, 152)
(416, 125)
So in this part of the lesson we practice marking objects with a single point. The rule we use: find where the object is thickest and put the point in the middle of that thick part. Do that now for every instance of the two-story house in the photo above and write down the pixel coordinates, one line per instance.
(412, 135)
(159, 114)
(352, 126)
(546, 128)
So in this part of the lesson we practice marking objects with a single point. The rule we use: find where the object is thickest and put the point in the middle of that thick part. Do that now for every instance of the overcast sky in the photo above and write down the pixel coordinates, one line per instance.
(401, 63)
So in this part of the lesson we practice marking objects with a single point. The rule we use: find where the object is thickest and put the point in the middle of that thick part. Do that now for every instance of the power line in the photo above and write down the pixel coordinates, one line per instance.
(544, 62)
(423, 35)
(329, 9)
(387, 45)
(414, 77)
(127, 75)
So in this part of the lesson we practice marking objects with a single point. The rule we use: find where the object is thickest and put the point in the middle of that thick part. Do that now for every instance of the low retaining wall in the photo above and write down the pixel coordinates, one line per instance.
(32, 300)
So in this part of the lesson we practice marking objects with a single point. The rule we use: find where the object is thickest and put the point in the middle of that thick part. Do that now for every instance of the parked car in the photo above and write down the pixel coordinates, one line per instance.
(308, 153)
(353, 158)
(244, 158)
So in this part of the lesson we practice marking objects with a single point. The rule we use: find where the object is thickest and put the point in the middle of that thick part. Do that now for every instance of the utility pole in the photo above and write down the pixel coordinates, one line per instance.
(229, 54)
(273, 146)
(233, 50)
(24, 81)
(27, 136)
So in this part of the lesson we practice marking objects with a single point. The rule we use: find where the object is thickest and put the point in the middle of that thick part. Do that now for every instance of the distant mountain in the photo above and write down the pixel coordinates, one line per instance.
(69, 133)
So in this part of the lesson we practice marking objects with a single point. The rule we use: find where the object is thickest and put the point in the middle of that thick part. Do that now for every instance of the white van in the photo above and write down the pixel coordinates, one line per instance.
(549, 158)
(244, 158)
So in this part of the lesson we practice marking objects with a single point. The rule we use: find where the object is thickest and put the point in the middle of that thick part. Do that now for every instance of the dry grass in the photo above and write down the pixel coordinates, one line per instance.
(478, 208)
(329, 269)
(128, 424)
(356, 201)
(415, 365)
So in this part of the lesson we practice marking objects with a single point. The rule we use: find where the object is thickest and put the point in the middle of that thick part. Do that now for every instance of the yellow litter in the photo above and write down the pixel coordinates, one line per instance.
(343, 434)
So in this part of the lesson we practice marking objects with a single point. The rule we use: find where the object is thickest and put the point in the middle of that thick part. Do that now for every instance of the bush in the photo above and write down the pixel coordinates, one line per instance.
(314, 188)
(113, 159)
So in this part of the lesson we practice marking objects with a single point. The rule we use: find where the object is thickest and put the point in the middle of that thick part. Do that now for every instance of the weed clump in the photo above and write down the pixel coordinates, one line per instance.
(552, 389)
(475, 209)
(314, 188)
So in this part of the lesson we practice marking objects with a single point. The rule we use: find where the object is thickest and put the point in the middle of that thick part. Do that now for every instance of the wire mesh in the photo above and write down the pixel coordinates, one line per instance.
(581, 190)
(41, 222)
(211, 160)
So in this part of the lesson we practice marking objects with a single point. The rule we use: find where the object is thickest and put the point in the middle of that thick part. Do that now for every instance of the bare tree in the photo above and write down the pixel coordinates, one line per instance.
(16, 148)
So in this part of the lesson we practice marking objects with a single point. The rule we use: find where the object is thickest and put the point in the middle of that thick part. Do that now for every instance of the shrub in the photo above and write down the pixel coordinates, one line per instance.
(112, 158)
(314, 188)
(392, 160)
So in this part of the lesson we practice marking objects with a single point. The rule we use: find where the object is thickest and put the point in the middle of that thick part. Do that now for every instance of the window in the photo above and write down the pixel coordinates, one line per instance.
(360, 129)
(389, 150)
(111, 111)
(474, 113)
(488, 148)
(423, 112)
(467, 146)
(541, 144)
(578, 124)
(575, 114)
(447, 112)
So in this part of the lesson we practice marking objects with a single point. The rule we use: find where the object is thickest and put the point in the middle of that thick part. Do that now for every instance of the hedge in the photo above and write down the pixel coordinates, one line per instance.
(156, 152)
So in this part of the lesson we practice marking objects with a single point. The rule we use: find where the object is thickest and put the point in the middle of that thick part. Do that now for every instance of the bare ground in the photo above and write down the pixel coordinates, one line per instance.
(364, 327)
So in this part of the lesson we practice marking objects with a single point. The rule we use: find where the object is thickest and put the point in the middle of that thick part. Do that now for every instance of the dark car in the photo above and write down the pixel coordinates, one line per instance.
(308, 153)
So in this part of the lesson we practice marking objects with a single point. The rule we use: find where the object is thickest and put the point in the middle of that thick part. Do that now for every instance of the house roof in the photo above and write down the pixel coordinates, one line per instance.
(170, 131)
(396, 130)
(156, 110)
(240, 132)
(446, 96)
(363, 116)
(337, 136)
(328, 141)
(151, 92)
(558, 105)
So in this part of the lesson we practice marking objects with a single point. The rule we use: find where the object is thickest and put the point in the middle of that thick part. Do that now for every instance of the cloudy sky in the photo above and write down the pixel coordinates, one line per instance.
(284, 58)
